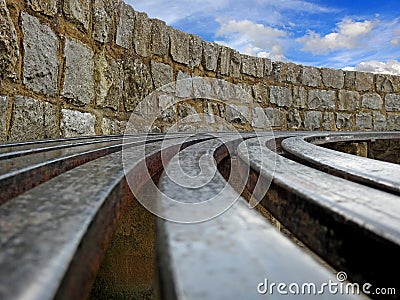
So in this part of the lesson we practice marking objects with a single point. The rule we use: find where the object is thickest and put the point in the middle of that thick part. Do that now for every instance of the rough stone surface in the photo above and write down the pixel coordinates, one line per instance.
(213, 112)
(210, 56)
(40, 60)
(321, 99)
(259, 118)
(236, 61)
(162, 74)
(33, 120)
(201, 87)
(363, 121)
(392, 102)
(237, 114)
(188, 114)
(75, 123)
(184, 86)
(267, 67)
(109, 126)
(393, 122)
(79, 66)
(348, 100)
(311, 77)
(46, 7)
(364, 81)
(333, 78)
(276, 117)
(387, 83)
(253, 66)
(293, 73)
(166, 108)
(180, 45)
(293, 119)
(195, 50)
(281, 96)
(299, 97)
(103, 20)
(312, 120)
(371, 101)
(240, 92)
(125, 27)
(142, 33)
(261, 92)
(108, 74)
(78, 11)
(379, 121)
(344, 121)
(328, 121)
(159, 37)
(278, 71)
(137, 82)
(224, 60)
(3, 118)
(350, 80)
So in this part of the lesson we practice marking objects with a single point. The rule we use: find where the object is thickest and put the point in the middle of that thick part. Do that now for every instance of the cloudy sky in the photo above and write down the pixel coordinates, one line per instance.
(360, 34)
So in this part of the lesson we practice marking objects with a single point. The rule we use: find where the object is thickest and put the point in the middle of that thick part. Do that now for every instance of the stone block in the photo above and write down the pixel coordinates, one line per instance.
(41, 56)
(371, 101)
(332, 78)
(241, 92)
(166, 108)
(259, 119)
(392, 102)
(184, 86)
(267, 67)
(387, 83)
(188, 114)
(110, 126)
(46, 7)
(126, 26)
(281, 96)
(79, 66)
(299, 97)
(213, 111)
(293, 73)
(235, 64)
(162, 74)
(293, 119)
(312, 120)
(321, 99)
(364, 82)
(237, 114)
(363, 121)
(159, 38)
(311, 76)
(142, 34)
(276, 117)
(76, 123)
(379, 121)
(278, 71)
(253, 66)
(201, 87)
(180, 45)
(104, 20)
(109, 78)
(210, 56)
(261, 92)
(78, 11)
(9, 50)
(328, 121)
(3, 118)
(195, 50)
(344, 121)
(350, 80)
(33, 120)
(393, 121)
(348, 100)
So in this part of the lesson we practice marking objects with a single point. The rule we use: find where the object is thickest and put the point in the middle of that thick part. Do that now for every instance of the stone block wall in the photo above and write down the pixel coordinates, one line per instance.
(81, 67)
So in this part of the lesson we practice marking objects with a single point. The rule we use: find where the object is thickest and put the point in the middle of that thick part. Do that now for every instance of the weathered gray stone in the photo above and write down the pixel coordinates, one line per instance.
(110, 126)
(142, 34)
(78, 11)
(253, 66)
(293, 73)
(379, 121)
(240, 92)
(311, 76)
(79, 66)
(328, 121)
(33, 119)
(237, 114)
(281, 96)
(46, 7)
(344, 121)
(137, 82)
(276, 117)
(159, 37)
(188, 114)
(392, 102)
(75, 123)
(363, 120)
(3, 118)
(184, 86)
(267, 67)
(210, 56)
(278, 71)
(224, 60)
(195, 51)
(103, 20)
(8, 43)
(299, 97)
(387, 83)
(371, 101)
(224, 91)
(348, 100)
(236, 62)
(312, 120)
(364, 81)
(261, 92)
(349, 80)
(126, 26)
(180, 45)
(333, 78)
(109, 78)
(201, 87)
(40, 61)
(393, 122)
(213, 111)
(293, 119)
(320, 99)
(259, 118)
(162, 74)
(167, 107)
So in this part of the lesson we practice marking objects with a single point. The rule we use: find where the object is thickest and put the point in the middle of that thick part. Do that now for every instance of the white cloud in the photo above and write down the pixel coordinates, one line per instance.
(253, 39)
(389, 67)
(348, 34)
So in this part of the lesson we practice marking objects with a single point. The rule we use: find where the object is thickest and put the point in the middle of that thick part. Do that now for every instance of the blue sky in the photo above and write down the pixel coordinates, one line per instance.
(354, 34)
